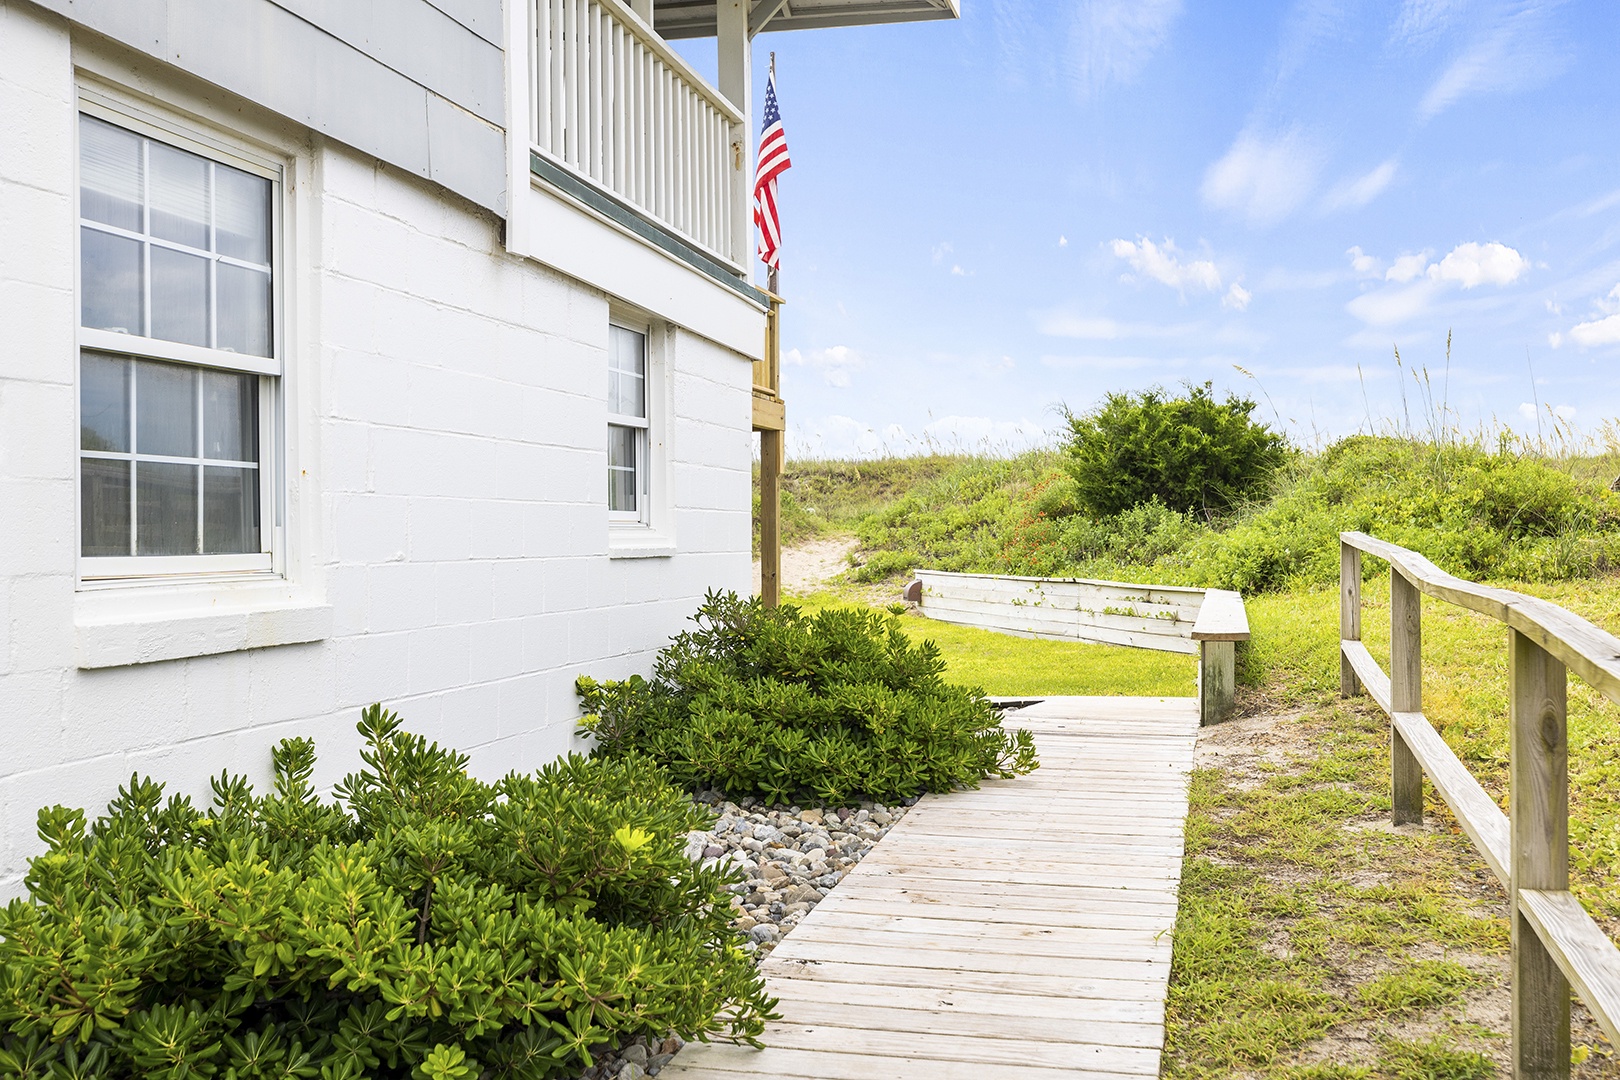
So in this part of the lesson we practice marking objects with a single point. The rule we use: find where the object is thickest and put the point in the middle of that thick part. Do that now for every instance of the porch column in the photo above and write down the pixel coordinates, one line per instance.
(736, 83)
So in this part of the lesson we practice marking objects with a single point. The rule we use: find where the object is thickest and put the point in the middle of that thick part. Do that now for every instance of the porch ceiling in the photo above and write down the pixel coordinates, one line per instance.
(696, 18)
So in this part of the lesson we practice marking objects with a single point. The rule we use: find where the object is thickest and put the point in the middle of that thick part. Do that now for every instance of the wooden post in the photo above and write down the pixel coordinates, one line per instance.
(1217, 677)
(770, 517)
(1349, 615)
(1405, 694)
(736, 83)
(1539, 817)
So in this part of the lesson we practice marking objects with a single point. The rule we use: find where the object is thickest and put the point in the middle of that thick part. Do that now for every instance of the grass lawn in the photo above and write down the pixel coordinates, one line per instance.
(1007, 666)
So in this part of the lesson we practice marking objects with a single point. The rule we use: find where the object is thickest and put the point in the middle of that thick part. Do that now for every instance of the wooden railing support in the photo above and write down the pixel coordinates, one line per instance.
(770, 517)
(1349, 615)
(1405, 696)
(1217, 678)
(1539, 816)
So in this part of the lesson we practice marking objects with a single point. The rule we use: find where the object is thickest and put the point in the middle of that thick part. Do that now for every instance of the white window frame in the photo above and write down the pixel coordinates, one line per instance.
(194, 136)
(641, 516)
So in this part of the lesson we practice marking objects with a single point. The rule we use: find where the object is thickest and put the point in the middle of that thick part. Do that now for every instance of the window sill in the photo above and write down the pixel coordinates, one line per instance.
(143, 624)
(639, 542)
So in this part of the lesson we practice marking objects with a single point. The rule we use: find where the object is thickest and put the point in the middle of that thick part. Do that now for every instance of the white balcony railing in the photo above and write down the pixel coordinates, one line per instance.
(616, 106)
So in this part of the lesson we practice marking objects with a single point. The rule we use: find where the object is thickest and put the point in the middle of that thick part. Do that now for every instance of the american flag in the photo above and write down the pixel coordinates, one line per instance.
(773, 162)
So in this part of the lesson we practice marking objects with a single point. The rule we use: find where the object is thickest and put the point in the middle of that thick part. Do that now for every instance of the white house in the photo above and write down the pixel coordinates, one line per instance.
(362, 350)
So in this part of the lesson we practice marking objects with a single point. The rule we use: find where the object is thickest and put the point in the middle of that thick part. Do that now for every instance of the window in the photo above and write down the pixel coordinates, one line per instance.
(628, 426)
(178, 355)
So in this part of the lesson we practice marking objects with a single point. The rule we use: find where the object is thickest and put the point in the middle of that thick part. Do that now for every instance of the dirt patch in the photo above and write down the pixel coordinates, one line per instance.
(812, 564)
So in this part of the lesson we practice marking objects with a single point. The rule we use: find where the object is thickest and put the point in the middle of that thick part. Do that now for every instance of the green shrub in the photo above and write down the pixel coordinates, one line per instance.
(776, 702)
(425, 925)
(1187, 453)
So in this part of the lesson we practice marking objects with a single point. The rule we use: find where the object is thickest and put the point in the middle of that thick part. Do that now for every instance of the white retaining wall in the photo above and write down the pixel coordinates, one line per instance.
(445, 507)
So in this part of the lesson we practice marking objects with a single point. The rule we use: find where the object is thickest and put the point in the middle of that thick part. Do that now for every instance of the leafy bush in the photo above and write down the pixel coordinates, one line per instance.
(776, 702)
(425, 925)
(1187, 453)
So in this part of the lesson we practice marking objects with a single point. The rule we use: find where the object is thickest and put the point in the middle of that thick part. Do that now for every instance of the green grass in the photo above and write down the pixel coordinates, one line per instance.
(1007, 666)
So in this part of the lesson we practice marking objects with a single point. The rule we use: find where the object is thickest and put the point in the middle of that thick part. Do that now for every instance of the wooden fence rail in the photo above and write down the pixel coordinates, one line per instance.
(1556, 944)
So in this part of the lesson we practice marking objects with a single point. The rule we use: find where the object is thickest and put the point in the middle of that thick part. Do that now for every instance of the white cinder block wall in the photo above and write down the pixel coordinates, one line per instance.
(446, 408)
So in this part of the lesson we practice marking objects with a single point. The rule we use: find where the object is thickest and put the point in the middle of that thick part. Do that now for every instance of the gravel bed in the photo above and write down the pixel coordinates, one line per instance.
(793, 857)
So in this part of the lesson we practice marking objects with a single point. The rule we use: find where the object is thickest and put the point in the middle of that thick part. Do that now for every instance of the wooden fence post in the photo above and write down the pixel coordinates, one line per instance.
(770, 517)
(1539, 816)
(1405, 695)
(1217, 680)
(1349, 615)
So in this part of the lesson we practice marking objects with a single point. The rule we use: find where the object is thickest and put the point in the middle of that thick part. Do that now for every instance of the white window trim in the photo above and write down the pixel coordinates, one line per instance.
(196, 136)
(155, 618)
(650, 532)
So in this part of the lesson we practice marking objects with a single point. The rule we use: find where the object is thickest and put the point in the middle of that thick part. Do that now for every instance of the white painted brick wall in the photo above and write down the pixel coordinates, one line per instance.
(449, 414)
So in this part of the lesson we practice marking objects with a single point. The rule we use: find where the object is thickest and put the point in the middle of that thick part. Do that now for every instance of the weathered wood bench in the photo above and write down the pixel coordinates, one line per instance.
(1168, 618)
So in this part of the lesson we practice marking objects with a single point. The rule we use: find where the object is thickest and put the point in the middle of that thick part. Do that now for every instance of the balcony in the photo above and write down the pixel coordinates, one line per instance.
(614, 106)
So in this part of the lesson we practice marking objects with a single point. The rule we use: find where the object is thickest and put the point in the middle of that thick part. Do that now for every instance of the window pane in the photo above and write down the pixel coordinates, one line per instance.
(244, 309)
(109, 174)
(165, 410)
(165, 508)
(230, 416)
(110, 282)
(230, 510)
(179, 296)
(179, 196)
(622, 467)
(103, 507)
(627, 350)
(104, 406)
(241, 215)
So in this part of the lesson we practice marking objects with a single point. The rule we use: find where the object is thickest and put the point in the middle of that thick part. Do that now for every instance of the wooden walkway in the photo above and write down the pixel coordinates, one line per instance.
(1021, 930)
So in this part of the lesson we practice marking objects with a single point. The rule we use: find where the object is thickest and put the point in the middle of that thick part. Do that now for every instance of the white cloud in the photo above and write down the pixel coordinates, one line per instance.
(839, 436)
(1564, 412)
(1408, 267)
(1555, 339)
(1527, 410)
(957, 271)
(1237, 298)
(1063, 241)
(1473, 264)
(1358, 191)
(1263, 180)
(1512, 47)
(1106, 363)
(1363, 264)
(941, 250)
(1388, 307)
(1114, 39)
(835, 363)
(1421, 21)
(1100, 328)
(1161, 263)
(1604, 331)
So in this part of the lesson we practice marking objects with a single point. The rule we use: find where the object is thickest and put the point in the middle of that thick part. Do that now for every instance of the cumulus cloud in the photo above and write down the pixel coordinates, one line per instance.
(839, 436)
(1415, 282)
(1163, 264)
(1114, 39)
(1263, 179)
(1358, 191)
(1407, 267)
(1602, 327)
(834, 364)
(1364, 264)
(1473, 264)
(1237, 298)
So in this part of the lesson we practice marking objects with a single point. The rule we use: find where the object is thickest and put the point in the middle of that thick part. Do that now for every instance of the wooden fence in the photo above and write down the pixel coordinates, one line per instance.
(1169, 618)
(1555, 943)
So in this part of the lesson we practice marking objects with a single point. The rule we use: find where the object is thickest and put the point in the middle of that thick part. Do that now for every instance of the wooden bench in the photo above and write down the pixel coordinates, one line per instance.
(1167, 618)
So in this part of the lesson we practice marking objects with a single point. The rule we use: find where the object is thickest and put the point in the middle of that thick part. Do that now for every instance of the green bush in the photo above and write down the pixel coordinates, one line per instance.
(425, 925)
(1187, 453)
(775, 702)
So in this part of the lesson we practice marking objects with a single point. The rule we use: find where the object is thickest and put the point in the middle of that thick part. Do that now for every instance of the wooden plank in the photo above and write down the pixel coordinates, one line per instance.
(1221, 617)
(1061, 986)
(954, 1020)
(1097, 945)
(1586, 956)
(1475, 811)
(1217, 680)
(1161, 908)
(1129, 1060)
(1039, 613)
(968, 1001)
(1539, 817)
(851, 922)
(1372, 677)
(1349, 615)
(832, 1063)
(1592, 653)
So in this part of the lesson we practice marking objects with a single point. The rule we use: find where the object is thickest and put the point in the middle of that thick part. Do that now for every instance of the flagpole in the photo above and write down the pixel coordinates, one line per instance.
(771, 277)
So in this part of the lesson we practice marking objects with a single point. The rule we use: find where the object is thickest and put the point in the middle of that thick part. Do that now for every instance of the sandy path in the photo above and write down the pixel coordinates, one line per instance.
(809, 565)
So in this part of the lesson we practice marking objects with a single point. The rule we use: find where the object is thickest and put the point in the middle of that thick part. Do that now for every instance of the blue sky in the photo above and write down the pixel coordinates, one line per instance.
(1045, 202)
